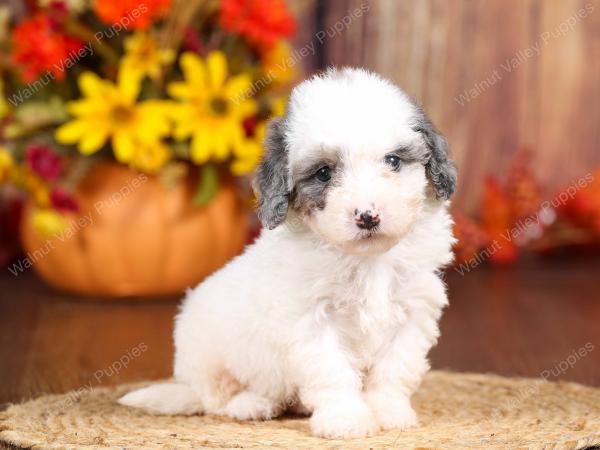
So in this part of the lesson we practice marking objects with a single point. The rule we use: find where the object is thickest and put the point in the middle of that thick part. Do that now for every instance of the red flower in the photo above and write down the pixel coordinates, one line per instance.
(39, 46)
(43, 161)
(131, 14)
(262, 22)
(249, 125)
(58, 9)
(191, 41)
(63, 201)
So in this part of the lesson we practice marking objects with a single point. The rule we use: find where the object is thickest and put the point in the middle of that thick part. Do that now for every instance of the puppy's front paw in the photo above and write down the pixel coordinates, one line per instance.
(249, 406)
(392, 411)
(350, 419)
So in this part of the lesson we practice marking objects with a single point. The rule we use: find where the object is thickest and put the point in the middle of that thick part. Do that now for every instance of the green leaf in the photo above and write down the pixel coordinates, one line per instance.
(207, 186)
(37, 114)
(172, 174)
(180, 150)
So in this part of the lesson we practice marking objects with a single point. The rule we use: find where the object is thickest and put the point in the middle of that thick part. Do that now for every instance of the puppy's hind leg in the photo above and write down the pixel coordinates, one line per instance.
(165, 398)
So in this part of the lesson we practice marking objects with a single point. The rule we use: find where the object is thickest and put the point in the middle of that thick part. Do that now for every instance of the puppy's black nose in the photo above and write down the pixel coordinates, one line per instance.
(367, 220)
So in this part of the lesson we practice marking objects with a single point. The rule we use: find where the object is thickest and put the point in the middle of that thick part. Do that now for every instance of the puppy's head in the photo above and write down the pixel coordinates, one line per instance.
(355, 159)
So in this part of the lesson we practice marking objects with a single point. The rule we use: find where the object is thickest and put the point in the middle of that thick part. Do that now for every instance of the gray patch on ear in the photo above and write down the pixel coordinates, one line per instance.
(440, 170)
(413, 153)
(272, 177)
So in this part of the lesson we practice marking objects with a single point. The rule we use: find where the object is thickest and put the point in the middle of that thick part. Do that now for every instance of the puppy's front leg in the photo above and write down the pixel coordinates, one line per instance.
(398, 370)
(328, 385)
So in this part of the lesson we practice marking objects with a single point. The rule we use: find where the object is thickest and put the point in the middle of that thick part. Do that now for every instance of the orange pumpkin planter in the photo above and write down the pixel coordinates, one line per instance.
(135, 237)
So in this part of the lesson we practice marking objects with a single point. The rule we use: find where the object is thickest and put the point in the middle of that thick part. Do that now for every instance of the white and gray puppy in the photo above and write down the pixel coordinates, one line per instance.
(334, 308)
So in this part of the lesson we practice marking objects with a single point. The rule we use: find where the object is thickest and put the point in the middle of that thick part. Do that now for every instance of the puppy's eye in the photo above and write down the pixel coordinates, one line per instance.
(323, 174)
(393, 161)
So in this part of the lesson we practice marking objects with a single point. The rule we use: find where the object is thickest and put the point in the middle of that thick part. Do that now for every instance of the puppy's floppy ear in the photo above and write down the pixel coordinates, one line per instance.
(440, 170)
(272, 177)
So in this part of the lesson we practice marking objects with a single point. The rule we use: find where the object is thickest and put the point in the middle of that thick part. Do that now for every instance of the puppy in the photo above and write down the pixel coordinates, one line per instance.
(334, 308)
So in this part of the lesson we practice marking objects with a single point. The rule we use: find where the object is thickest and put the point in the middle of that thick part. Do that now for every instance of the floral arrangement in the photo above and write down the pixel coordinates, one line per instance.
(517, 215)
(162, 86)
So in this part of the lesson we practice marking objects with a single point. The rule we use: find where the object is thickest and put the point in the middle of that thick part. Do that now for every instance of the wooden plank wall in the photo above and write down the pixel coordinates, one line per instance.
(528, 70)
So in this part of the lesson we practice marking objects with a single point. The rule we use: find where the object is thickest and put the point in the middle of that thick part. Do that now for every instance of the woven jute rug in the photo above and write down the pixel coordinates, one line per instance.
(456, 411)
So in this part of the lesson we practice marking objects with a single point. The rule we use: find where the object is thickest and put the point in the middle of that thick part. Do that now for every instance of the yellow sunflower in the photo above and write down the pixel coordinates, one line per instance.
(144, 57)
(28, 181)
(150, 156)
(248, 151)
(212, 106)
(110, 111)
(23, 178)
(278, 106)
(48, 222)
(6, 164)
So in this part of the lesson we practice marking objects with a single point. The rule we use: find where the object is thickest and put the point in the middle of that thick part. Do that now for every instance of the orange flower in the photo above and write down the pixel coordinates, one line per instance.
(262, 22)
(131, 14)
(471, 239)
(40, 47)
(497, 222)
(580, 203)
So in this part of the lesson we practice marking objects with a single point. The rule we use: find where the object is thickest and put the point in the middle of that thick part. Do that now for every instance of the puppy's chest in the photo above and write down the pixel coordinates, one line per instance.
(367, 310)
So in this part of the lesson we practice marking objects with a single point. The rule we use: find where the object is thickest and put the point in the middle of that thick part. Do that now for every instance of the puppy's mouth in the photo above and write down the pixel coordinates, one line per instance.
(371, 234)
(370, 242)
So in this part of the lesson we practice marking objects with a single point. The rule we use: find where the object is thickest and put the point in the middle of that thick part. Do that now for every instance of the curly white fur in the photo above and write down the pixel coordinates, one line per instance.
(318, 316)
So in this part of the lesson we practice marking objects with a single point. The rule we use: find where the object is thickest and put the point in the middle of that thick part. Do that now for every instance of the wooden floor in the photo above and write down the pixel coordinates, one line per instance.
(533, 320)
